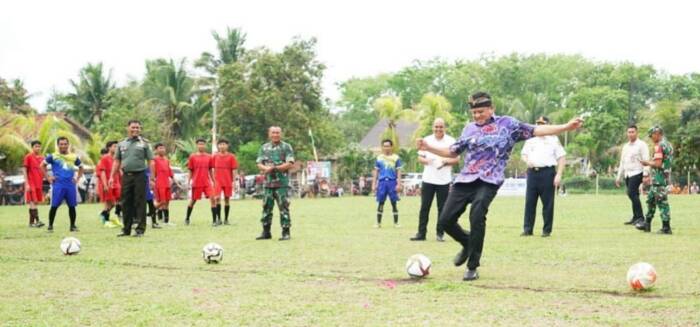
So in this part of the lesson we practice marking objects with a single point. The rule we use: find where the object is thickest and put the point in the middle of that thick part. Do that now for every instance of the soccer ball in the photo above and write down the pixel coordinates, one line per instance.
(418, 266)
(70, 246)
(212, 253)
(641, 276)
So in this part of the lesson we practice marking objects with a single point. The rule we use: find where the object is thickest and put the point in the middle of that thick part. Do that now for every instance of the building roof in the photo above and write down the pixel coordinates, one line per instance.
(405, 130)
(81, 131)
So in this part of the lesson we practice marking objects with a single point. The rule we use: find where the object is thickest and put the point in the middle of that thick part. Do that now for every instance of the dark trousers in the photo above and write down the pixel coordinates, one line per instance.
(540, 184)
(427, 193)
(479, 194)
(133, 201)
(632, 184)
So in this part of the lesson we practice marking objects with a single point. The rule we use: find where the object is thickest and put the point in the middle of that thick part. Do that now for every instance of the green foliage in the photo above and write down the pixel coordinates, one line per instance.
(247, 155)
(431, 107)
(354, 162)
(89, 99)
(14, 97)
(391, 109)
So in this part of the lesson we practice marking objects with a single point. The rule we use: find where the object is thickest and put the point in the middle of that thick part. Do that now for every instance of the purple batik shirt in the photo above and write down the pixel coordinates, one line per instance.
(488, 148)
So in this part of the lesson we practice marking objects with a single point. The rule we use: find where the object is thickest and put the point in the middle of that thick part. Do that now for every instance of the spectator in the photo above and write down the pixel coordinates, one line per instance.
(694, 189)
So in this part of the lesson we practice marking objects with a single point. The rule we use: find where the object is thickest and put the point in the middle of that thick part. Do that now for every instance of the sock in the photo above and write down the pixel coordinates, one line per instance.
(218, 212)
(104, 215)
(226, 210)
(118, 209)
(396, 212)
(151, 211)
(72, 215)
(52, 215)
(166, 214)
(189, 212)
(160, 214)
(36, 215)
(31, 216)
(380, 210)
(213, 214)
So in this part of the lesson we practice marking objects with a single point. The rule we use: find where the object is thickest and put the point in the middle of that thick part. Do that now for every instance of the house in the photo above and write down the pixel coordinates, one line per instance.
(77, 128)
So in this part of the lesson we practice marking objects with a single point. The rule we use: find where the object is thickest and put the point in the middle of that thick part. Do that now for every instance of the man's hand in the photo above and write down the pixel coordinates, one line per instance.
(646, 162)
(106, 185)
(574, 123)
(557, 180)
(398, 187)
(51, 179)
(617, 182)
(153, 185)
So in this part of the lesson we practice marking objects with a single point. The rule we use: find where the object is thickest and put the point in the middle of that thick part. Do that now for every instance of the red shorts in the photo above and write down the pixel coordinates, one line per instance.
(198, 191)
(227, 189)
(34, 194)
(112, 195)
(163, 194)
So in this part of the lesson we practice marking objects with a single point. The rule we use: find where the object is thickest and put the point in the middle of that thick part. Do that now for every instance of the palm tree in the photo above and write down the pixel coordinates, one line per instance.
(391, 109)
(170, 90)
(90, 96)
(430, 107)
(230, 48)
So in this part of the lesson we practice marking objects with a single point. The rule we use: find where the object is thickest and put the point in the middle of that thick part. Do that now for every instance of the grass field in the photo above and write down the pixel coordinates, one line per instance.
(338, 270)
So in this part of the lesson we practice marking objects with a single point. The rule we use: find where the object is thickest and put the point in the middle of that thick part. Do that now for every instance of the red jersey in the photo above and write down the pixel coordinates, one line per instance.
(199, 165)
(105, 165)
(163, 172)
(32, 163)
(222, 165)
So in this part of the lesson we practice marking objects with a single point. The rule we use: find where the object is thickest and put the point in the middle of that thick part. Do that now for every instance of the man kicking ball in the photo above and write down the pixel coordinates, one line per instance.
(487, 142)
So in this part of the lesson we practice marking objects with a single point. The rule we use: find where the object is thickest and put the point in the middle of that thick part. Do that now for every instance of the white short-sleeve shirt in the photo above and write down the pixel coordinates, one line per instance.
(543, 151)
(435, 173)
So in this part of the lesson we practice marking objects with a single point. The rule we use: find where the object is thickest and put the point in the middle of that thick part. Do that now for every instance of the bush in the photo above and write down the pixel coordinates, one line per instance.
(588, 183)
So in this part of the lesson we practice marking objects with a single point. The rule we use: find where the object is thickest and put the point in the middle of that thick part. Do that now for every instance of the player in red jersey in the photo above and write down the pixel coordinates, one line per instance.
(33, 182)
(224, 165)
(163, 180)
(108, 195)
(200, 177)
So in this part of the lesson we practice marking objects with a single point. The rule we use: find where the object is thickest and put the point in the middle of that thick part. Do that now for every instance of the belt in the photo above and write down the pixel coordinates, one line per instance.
(132, 173)
(540, 168)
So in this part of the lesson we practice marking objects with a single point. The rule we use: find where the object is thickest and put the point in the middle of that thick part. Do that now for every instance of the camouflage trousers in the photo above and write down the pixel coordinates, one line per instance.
(658, 197)
(270, 196)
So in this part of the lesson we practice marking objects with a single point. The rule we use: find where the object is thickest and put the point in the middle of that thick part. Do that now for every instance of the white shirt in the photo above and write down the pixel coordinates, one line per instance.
(629, 158)
(543, 151)
(434, 172)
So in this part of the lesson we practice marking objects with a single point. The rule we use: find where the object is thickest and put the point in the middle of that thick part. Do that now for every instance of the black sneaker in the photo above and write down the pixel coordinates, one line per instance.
(461, 257)
(471, 274)
(643, 226)
(418, 237)
(123, 235)
(49, 229)
(665, 231)
(38, 224)
(632, 221)
(546, 234)
(138, 235)
(526, 234)
(74, 229)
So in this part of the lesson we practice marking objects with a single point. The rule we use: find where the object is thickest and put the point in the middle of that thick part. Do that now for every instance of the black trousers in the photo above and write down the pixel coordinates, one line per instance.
(632, 184)
(427, 193)
(479, 194)
(134, 201)
(540, 184)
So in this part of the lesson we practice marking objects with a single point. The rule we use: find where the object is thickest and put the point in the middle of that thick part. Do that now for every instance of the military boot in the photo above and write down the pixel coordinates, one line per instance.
(285, 234)
(265, 233)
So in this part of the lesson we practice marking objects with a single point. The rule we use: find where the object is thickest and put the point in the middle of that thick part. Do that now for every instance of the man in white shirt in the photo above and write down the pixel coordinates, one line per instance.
(437, 176)
(545, 159)
(632, 171)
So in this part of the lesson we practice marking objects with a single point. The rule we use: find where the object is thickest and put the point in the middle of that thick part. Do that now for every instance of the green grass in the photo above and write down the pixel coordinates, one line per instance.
(335, 270)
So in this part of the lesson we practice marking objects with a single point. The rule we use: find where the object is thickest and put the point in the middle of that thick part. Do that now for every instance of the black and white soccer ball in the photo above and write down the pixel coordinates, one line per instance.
(70, 246)
(418, 266)
(212, 253)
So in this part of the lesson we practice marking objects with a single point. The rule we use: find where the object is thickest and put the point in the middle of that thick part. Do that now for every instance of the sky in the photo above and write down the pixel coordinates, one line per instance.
(45, 43)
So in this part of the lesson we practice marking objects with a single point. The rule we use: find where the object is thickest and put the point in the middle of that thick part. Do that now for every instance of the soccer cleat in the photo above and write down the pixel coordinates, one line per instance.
(109, 224)
(74, 229)
(116, 222)
(49, 229)
(155, 226)
(38, 224)
(440, 238)
(418, 237)
(461, 257)
(470, 274)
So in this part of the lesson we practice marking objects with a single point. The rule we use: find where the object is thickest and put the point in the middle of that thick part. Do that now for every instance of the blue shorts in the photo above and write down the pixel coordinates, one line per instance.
(387, 188)
(64, 192)
(149, 194)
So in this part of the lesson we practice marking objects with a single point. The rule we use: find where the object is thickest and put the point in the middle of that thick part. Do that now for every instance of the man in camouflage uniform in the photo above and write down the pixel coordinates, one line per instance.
(275, 158)
(659, 175)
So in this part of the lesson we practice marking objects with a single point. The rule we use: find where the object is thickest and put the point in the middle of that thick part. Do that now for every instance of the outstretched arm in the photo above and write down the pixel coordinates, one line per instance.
(542, 130)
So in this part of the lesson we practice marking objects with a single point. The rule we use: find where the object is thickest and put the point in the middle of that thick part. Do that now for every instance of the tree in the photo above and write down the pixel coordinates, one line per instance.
(14, 97)
(430, 107)
(230, 49)
(391, 109)
(89, 99)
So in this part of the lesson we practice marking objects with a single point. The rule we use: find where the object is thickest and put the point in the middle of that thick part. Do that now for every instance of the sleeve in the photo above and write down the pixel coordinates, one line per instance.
(377, 164)
(459, 146)
(77, 162)
(27, 163)
(399, 163)
(190, 164)
(149, 152)
(260, 158)
(234, 162)
(520, 131)
(559, 149)
(290, 154)
(658, 153)
(49, 159)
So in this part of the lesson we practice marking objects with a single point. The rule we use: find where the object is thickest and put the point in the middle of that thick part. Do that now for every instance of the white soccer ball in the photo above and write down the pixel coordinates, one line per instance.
(641, 276)
(212, 253)
(70, 246)
(418, 266)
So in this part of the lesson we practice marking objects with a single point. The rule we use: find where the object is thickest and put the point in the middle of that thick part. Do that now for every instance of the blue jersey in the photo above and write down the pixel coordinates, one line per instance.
(63, 167)
(149, 193)
(387, 166)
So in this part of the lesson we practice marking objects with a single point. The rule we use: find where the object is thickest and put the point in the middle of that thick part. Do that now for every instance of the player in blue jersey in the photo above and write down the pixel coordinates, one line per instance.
(63, 180)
